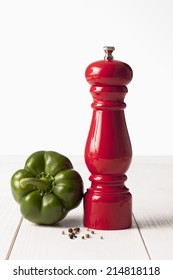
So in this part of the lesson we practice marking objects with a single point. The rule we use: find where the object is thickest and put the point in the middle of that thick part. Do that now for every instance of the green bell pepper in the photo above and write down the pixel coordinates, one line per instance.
(47, 188)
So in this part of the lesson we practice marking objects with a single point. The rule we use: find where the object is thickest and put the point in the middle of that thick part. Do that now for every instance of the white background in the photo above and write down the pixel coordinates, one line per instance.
(45, 47)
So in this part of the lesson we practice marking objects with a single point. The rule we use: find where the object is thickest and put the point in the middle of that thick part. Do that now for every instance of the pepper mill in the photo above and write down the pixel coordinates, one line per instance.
(108, 152)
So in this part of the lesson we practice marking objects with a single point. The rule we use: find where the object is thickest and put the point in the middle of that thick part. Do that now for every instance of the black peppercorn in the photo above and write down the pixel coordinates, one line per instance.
(71, 235)
(76, 229)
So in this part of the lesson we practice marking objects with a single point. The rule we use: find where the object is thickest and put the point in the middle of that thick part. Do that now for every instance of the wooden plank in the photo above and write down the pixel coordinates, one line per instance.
(9, 210)
(151, 182)
(13, 239)
(9, 220)
(40, 242)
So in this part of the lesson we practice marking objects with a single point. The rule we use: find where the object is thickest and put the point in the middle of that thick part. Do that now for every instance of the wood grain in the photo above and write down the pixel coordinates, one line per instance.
(151, 182)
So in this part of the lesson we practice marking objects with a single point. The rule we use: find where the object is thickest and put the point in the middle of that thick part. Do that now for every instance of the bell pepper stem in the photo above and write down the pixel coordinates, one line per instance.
(42, 183)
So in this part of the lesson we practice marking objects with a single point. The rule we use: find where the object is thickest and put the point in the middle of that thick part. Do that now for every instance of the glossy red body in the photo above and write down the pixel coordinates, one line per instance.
(108, 152)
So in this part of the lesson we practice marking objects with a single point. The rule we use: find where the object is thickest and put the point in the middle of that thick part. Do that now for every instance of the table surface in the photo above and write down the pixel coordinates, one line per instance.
(150, 181)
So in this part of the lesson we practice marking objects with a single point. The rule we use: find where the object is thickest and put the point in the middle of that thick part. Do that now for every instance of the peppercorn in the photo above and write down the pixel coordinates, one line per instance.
(70, 230)
(87, 235)
(76, 229)
(71, 235)
(92, 232)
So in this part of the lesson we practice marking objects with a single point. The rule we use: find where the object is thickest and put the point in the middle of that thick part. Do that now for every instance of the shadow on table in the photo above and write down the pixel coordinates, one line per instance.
(71, 222)
(66, 223)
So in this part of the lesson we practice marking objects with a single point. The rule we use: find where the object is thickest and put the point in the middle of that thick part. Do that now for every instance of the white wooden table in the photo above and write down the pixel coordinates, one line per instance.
(150, 180)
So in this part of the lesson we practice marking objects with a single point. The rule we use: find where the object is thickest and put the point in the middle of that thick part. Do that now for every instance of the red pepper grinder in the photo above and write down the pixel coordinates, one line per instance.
(108, 152)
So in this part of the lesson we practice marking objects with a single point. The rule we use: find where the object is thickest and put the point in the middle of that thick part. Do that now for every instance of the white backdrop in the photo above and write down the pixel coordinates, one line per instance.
(45, 47)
